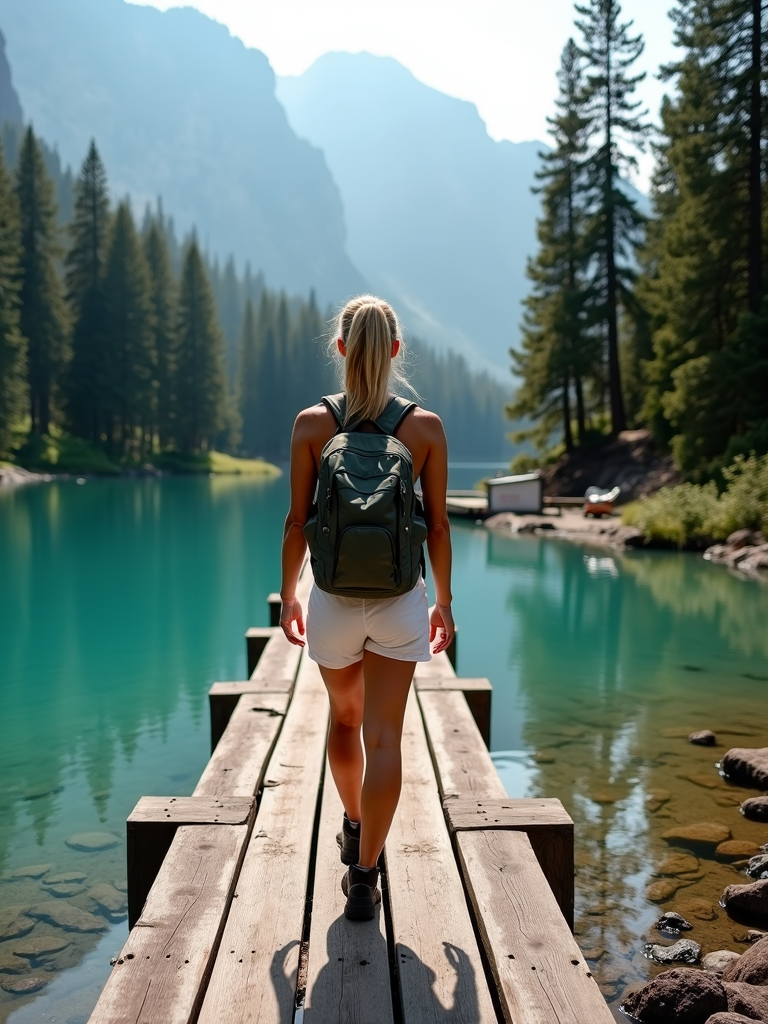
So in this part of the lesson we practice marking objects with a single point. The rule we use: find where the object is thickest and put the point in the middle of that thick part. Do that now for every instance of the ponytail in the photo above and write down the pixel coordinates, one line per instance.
(368, 326)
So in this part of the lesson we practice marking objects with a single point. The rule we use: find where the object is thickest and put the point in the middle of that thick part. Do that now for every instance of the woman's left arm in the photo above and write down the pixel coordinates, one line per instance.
(303, 482)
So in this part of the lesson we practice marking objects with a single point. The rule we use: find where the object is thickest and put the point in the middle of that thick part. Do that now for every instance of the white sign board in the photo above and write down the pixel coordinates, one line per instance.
(515, 493)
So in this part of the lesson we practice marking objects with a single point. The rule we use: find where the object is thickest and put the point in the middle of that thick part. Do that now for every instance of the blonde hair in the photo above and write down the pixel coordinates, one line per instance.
(368, 325)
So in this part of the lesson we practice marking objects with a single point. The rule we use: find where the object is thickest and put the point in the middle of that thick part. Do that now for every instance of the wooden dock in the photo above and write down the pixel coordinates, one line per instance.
(474, 504)
(235, 909)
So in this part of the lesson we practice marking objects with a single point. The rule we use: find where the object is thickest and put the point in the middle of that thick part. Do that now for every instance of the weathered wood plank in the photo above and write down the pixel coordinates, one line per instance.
(256, 639)
(348, 979)
(539, 970)
(438, 962)
(223, 698)
(464, 766)
(236, 767)
(191, 810)
(440, 665)
(548, 826)
(279, 660)
(478, 694)
(162, 969)
(254, 978)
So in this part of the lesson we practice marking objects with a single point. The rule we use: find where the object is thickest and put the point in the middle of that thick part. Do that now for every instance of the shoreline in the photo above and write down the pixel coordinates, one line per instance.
(17, 476)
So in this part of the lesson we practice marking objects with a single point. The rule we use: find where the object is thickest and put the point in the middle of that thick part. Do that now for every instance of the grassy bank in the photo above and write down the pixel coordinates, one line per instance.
(61, 453)
(696, 515)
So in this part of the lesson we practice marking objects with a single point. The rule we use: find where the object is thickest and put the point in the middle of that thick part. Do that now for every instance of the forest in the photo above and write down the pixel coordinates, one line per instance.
(122, 346)
(658, 322)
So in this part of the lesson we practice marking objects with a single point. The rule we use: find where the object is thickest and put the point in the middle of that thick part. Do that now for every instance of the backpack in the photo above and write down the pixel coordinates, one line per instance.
(366, 530)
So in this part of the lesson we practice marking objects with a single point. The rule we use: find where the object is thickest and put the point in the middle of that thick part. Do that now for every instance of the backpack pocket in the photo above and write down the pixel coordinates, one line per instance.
(365, 560)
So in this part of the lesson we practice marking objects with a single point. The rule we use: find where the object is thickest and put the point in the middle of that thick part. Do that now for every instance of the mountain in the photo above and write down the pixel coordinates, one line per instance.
(10, 107)
(181, 109)
(440, 217)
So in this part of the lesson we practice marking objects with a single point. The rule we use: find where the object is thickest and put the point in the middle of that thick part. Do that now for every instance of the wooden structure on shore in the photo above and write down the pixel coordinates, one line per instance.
(474, 504)
(235, 909)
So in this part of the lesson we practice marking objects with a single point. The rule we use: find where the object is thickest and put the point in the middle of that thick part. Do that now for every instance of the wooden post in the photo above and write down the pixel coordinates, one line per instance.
(548, 826)
(150, 829)
(451, 649)
(256, 639)
(274, 603)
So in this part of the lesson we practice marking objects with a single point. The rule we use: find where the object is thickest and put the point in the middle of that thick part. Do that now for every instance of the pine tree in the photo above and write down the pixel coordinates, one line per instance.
(85, 262)
(13, 349)
(200, 384)
(610, 52)
(43, 319)
(250, 384)
(708, 378)
(230, 309)
(131, 359)
(164, 322)
(557, 350)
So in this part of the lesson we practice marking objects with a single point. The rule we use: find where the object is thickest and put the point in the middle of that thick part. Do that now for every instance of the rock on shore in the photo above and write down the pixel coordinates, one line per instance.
(746, 550)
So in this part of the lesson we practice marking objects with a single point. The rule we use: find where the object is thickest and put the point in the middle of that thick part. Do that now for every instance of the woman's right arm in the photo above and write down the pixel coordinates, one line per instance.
(434, 483)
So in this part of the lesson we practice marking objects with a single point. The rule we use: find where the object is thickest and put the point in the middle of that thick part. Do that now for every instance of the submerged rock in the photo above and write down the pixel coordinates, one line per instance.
(662, 890)
(701, 909)
(678, 864)
(749, 899)
(719, 960)
(65, 878)
(39, 946)
(755, 808)
(108, 899)
(673, 923)
(92, 842)
(24, 986)
(684, 951)
(752, 966)
(758, 866)
(703, 738)
(33, 871)
(64, 915)
(64, 891)
(747, 765)
(704, 833)
(736, 849)
(14, 923)
(679, 996)
(10, 964)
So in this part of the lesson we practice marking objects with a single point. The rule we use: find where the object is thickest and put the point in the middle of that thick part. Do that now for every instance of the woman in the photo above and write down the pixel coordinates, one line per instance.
(367, 649)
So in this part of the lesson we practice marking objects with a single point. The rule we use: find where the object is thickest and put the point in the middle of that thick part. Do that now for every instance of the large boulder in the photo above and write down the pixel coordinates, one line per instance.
(755, 808)
(747, 766)
(752, 965)
(749, 899)
(729, 1018)
(751, 1000)
(679, 996)
(719, 960)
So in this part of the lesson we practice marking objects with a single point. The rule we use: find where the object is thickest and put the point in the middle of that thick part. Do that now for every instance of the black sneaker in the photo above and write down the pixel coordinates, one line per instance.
(349, 841)
(359, 886)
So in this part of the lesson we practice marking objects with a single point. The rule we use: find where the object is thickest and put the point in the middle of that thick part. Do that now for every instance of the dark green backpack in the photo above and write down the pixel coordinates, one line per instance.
(366, 531)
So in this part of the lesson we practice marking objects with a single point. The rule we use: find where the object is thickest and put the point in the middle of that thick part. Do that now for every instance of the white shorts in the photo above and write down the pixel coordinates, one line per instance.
(339, 629)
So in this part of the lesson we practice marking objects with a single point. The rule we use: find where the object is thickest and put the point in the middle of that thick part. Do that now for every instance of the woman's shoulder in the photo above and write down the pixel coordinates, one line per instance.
(426, 420)
(313, 421)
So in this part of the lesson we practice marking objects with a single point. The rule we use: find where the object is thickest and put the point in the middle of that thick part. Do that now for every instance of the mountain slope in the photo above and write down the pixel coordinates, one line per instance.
(440, 217)
(180, 108)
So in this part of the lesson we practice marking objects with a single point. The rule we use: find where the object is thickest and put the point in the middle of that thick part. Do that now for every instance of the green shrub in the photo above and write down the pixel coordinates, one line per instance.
(213, 462)
(692, 514)
(60, 453)
(524, 463)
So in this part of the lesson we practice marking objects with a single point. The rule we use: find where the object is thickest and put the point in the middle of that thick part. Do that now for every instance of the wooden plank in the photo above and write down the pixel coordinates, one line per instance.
(548, 826)
(236, 767)
(438, 962)
(254, 978)
(541, 975)
(256, 639)
(163, 967)
(478, 693)
(348, 978)
(223, 698)
(191, 810)
(280, 660)
(439, 665)
(462, 762)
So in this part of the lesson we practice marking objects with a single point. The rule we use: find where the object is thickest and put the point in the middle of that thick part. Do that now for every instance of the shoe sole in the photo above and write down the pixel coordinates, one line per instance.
(358, 909)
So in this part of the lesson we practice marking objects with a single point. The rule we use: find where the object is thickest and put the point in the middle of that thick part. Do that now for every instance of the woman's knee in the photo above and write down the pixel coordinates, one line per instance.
(380, 737)
(346, 718)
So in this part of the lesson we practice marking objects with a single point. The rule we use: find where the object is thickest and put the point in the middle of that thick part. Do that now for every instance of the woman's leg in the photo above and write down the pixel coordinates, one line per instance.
(345, 751)
(387, 683)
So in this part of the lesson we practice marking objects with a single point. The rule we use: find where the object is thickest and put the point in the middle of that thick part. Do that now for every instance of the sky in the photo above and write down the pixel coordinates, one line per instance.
(502, 55)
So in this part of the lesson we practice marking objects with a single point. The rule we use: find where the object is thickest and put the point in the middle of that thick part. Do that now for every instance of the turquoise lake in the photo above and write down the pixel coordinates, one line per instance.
(121, 601)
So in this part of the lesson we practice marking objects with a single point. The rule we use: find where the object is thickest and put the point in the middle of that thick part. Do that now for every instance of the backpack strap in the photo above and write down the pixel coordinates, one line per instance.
(337, 404)
(394, 414)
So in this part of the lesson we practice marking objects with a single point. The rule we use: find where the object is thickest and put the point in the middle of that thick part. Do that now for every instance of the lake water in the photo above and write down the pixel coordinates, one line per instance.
(121, 601)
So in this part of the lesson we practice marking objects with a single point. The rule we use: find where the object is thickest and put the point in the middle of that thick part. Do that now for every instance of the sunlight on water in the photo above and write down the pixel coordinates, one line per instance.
(121, 601)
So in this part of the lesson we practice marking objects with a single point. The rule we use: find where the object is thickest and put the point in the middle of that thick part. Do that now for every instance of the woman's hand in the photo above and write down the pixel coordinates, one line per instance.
(290, 612)
(441, 621)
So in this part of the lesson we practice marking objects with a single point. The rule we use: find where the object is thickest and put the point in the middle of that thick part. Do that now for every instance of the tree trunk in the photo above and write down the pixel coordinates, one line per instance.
(567, 433)
(755, 243)
(580, 417)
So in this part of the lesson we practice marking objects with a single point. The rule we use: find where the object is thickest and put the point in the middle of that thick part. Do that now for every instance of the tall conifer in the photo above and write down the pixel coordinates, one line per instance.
(164, 323)
(131, 358)
(13, 350)
(251, 389)
(43, 312)
(85, 262)
(200, 386)
(610, 52)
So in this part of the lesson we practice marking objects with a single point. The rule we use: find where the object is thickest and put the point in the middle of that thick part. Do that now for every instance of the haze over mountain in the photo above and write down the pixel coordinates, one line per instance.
(181, 109)
(440, 217)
